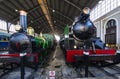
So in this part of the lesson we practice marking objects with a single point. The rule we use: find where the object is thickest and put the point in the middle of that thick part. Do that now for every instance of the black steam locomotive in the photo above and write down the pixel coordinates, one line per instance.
(80, 40)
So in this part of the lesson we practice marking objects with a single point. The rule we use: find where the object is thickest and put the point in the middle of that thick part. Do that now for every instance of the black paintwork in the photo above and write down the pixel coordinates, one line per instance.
(83, 29)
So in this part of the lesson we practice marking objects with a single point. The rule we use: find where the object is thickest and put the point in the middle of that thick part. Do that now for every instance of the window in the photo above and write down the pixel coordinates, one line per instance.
(110, 36)
(103, 8)
(111, 23)
(12, 28)
(118, 2)
(3, 26)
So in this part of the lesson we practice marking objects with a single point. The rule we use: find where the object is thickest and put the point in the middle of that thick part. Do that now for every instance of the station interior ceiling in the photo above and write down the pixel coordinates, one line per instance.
(46, 16)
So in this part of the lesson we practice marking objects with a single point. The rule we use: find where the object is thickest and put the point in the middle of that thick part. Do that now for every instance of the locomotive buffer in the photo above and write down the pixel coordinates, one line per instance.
(22, 67)
(86, 60)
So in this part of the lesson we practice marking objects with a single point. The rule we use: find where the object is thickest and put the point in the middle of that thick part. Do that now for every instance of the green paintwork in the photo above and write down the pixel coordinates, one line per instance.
(66, 30)
(40, 42)
(50, 40)
(45, 41)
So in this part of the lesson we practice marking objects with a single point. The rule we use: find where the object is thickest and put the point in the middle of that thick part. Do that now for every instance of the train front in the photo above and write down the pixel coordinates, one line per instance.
(85, 42)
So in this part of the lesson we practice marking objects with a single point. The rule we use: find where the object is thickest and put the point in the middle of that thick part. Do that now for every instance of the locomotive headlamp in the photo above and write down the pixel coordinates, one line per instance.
(107, 45)
(18, 27)
(30, 31)
(75, 46)
(66, 36)
(86, 10)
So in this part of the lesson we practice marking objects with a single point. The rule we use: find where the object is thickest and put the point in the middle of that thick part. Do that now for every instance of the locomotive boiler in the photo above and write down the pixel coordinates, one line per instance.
(83, 28)
(80, 39)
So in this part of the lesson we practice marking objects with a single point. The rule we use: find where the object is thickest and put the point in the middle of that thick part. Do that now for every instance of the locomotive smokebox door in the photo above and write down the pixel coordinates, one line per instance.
(19, 43)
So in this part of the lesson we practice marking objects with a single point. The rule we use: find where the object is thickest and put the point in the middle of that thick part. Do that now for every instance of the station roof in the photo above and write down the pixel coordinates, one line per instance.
(60, 12)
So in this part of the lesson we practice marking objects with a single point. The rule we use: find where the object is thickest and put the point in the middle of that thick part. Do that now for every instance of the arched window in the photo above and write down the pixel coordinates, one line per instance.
(110, 36)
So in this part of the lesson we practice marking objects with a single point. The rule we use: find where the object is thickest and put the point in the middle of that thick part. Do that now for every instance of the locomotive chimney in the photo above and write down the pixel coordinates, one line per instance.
(23, 20)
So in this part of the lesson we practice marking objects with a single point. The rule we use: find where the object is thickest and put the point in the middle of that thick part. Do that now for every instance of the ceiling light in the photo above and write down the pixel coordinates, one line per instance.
(16, 10)
(53, 10)
(100, 2)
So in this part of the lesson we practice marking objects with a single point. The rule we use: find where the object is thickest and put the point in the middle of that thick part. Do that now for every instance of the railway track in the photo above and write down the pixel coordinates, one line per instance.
(98, 72)
(6, 65)
(30, 71)
(5, 68)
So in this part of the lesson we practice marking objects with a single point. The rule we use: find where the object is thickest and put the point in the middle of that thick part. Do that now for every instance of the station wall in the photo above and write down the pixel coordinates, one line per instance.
(101, 22)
